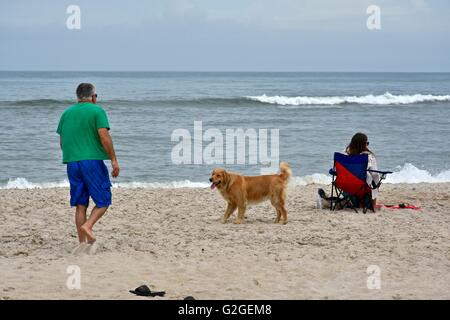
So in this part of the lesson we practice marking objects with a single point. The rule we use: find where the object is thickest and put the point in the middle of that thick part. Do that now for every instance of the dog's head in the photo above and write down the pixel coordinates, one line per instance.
(219, 178)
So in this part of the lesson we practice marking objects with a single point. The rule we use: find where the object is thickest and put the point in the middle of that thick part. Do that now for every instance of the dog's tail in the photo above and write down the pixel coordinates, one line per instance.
(285, 171)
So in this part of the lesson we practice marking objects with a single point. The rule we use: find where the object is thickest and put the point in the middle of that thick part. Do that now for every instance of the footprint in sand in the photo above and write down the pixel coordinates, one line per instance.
(79, 249)
(91, 248)
(85, 248)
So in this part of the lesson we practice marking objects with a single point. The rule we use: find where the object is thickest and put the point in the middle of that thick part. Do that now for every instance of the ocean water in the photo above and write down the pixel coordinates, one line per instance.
(405, 115)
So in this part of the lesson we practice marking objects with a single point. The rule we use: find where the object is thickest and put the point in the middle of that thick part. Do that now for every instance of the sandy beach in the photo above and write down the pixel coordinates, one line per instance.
(171, 240)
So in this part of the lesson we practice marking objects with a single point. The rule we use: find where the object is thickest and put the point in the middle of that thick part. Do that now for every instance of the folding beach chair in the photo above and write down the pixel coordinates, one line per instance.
(349, 187)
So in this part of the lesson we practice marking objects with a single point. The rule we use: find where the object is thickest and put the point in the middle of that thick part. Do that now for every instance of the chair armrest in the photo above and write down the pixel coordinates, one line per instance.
(382, 172)
(383, 176)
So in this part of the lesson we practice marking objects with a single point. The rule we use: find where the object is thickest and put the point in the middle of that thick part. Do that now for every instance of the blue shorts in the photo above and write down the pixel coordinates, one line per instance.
(89, 178)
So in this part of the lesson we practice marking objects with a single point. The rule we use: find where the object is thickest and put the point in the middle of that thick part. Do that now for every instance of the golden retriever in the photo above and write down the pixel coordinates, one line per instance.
(239, 191)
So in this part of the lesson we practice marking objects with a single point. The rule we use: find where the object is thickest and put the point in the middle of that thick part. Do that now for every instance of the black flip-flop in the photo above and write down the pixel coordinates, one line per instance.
(146, 292)
(322, 194)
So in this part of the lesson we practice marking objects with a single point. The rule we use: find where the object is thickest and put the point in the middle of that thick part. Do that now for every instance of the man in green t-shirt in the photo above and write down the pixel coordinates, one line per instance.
(85, 143)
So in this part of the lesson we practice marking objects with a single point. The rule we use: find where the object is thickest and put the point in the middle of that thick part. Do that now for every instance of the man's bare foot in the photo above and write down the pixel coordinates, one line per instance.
(89, 235)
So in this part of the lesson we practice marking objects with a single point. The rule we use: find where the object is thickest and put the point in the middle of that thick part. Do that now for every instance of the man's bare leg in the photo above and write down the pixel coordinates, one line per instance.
(96, 214)
(80, 219)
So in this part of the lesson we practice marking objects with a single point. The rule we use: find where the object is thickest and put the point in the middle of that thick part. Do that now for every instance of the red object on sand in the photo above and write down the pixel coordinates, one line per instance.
(400, 206)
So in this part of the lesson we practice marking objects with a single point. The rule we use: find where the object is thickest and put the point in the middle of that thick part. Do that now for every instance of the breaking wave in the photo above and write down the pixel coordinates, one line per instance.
(384, 99)
(407, 173)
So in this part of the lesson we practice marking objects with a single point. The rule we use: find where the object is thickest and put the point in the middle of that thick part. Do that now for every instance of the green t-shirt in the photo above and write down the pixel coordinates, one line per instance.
(78, 130)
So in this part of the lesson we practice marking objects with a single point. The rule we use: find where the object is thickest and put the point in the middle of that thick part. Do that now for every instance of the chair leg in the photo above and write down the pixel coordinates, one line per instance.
(368, 203)
(331, 199)
(349, 201)
(334, 199)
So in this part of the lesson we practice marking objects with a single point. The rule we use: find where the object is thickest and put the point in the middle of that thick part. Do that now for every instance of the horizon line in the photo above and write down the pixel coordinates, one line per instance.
(225, 71)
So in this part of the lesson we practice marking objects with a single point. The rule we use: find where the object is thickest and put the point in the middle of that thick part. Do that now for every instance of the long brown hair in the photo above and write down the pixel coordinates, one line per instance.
(358, 144)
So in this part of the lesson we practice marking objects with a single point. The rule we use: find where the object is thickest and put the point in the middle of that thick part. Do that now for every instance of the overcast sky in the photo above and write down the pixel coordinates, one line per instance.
(228, 35)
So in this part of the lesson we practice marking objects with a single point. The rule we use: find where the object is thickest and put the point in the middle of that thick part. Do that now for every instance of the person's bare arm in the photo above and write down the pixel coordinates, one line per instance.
(106, 140)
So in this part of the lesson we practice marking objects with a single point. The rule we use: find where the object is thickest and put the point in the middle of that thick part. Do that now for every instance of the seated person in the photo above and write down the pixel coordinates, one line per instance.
(359, 145)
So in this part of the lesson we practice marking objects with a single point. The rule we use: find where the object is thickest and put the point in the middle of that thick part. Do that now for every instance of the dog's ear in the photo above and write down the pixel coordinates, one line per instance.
(226, 177)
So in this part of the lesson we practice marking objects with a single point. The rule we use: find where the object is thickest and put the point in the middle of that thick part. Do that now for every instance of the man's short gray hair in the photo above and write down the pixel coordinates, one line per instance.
(85, 91)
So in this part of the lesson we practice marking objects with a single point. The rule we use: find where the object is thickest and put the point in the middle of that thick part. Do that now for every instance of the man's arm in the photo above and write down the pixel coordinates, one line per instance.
(106, 140)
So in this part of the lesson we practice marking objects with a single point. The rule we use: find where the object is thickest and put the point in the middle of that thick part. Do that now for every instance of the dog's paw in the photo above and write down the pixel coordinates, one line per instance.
(238, 221)
(223, 221)
(282, 222)
(276, 221)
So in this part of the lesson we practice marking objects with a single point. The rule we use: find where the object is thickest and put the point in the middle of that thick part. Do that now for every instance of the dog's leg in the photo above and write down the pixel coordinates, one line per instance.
(282, 208)
(277, 219)
(284, 219)
(230, 209)
(277, 208)
(240, 217)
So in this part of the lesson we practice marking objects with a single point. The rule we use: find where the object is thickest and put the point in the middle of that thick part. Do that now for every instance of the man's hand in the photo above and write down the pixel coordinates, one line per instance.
(115, 169)
(107, 143)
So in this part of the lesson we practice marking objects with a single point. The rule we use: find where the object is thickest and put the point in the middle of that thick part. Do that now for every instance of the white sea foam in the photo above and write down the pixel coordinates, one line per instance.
(172, 184)
(22, 183)
(384, 99)
(411, 174)
(316, 178)
(407, 173)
